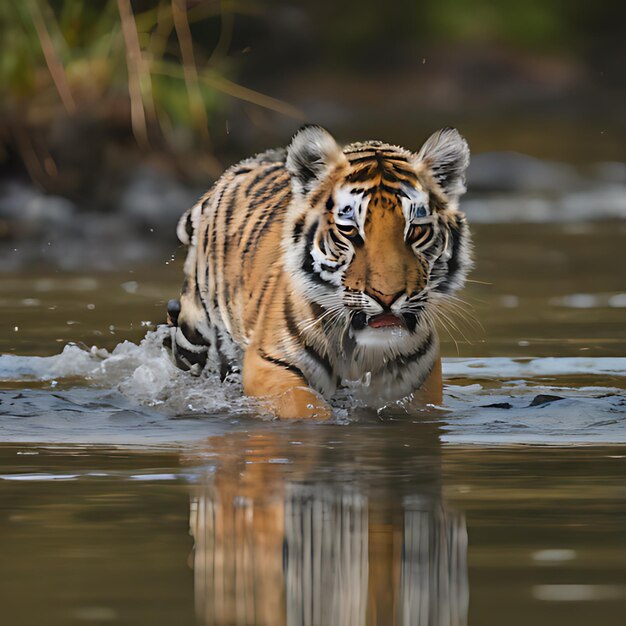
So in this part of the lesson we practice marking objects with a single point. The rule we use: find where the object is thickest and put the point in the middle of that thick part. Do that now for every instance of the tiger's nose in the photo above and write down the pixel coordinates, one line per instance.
(385, 300)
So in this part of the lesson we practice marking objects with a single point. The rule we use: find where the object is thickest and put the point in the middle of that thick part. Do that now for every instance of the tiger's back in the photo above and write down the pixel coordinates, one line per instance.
(233, 261)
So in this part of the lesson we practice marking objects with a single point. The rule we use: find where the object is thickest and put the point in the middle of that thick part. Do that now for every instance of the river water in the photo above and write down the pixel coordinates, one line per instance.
(133, 494)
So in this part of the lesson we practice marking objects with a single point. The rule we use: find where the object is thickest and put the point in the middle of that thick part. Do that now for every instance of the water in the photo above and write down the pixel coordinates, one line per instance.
(133, 494)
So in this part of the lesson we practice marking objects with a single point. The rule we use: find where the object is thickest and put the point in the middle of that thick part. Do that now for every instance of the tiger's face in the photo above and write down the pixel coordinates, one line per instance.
(381, 241)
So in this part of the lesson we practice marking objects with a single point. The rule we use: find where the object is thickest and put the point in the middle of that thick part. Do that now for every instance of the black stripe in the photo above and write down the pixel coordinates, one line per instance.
(454, 263)
(205, 242)
(202, 251)
(273, 185)
(192, 335)
(407, 359)
(423, 233)
(228, 217)
(362, 159)
(307, 261)
(315, 198)
(189, 226)
(287, 366)
(186, 359)
(205, 205)
(210, 253)
(297, 229)
(362, 175)
(396, 175)
(269, 214)
(322, 246)
(225, 366)
(229, 213)
(292, 325)
(212, 263)
(293, 329)
(261, 293)
(320, 360)
(264, 173)
(201, 299)
(346, 228)
(340, 243)
(393, 191)
(265, 195)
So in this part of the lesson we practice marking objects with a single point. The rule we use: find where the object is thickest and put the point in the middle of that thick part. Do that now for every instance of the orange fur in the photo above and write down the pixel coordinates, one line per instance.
(292, 254)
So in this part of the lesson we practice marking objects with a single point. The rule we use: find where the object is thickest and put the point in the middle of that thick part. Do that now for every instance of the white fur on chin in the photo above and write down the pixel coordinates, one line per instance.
(381, 337)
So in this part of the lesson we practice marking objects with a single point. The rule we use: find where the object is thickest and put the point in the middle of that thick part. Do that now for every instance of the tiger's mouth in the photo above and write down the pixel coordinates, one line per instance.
(386, 320)
(406, 321)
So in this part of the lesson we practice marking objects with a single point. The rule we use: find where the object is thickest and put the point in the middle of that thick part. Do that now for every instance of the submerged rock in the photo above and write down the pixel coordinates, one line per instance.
(497, 405)
(544, 398)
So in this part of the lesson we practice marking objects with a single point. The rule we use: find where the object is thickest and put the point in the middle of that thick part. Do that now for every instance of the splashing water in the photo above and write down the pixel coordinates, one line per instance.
(135, 393)
(143, 373)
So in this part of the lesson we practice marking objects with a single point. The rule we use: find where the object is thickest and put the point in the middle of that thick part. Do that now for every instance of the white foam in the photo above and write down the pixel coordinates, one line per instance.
(73, 361)
(136, 394)
(144, 373)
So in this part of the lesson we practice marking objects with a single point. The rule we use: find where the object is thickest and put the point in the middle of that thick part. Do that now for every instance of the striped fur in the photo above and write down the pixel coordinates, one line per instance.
(294, 253)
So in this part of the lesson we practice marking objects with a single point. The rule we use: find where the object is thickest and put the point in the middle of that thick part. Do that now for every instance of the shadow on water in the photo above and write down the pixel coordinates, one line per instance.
(351, 530)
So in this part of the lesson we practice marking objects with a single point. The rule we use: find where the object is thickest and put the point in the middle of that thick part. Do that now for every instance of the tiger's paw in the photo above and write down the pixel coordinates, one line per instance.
(299, 403)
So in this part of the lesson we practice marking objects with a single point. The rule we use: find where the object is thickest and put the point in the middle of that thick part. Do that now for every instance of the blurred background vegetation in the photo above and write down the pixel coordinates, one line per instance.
(94, 91)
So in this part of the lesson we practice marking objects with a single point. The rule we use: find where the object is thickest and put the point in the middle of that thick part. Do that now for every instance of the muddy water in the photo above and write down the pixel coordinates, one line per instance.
(132, 495)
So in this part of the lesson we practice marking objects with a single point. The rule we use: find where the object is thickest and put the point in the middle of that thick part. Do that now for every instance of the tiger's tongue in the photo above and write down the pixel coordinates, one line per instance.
(385, 320)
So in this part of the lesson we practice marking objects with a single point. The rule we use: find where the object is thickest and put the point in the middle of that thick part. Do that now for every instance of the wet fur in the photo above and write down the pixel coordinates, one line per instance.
(275, 278)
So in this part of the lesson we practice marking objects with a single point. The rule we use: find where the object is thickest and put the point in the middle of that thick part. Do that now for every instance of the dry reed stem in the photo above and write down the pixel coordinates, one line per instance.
(190, 73)
(137, 76)
(55, 67)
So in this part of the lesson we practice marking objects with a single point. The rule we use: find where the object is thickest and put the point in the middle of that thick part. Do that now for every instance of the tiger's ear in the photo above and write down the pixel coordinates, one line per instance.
(446, 154)
(311, 154)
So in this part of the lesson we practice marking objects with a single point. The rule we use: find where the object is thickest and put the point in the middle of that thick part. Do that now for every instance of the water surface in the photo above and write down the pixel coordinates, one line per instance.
(133, 494)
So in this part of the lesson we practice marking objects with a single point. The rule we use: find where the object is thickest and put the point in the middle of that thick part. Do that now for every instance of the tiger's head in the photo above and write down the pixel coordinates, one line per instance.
(374, 231)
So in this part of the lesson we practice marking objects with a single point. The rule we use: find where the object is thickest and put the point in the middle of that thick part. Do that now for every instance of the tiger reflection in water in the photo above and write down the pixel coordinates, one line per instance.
(276, 546)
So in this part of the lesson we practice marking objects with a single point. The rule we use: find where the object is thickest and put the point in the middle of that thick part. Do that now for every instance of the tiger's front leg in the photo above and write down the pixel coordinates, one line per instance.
(285, 393)
(430, 391)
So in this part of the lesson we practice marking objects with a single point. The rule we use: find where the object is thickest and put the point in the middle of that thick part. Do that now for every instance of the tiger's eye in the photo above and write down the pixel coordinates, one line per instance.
(420, 211)
(346, 211)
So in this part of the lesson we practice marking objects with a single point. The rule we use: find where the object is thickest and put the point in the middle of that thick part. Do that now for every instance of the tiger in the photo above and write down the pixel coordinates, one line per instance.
(319, 267)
